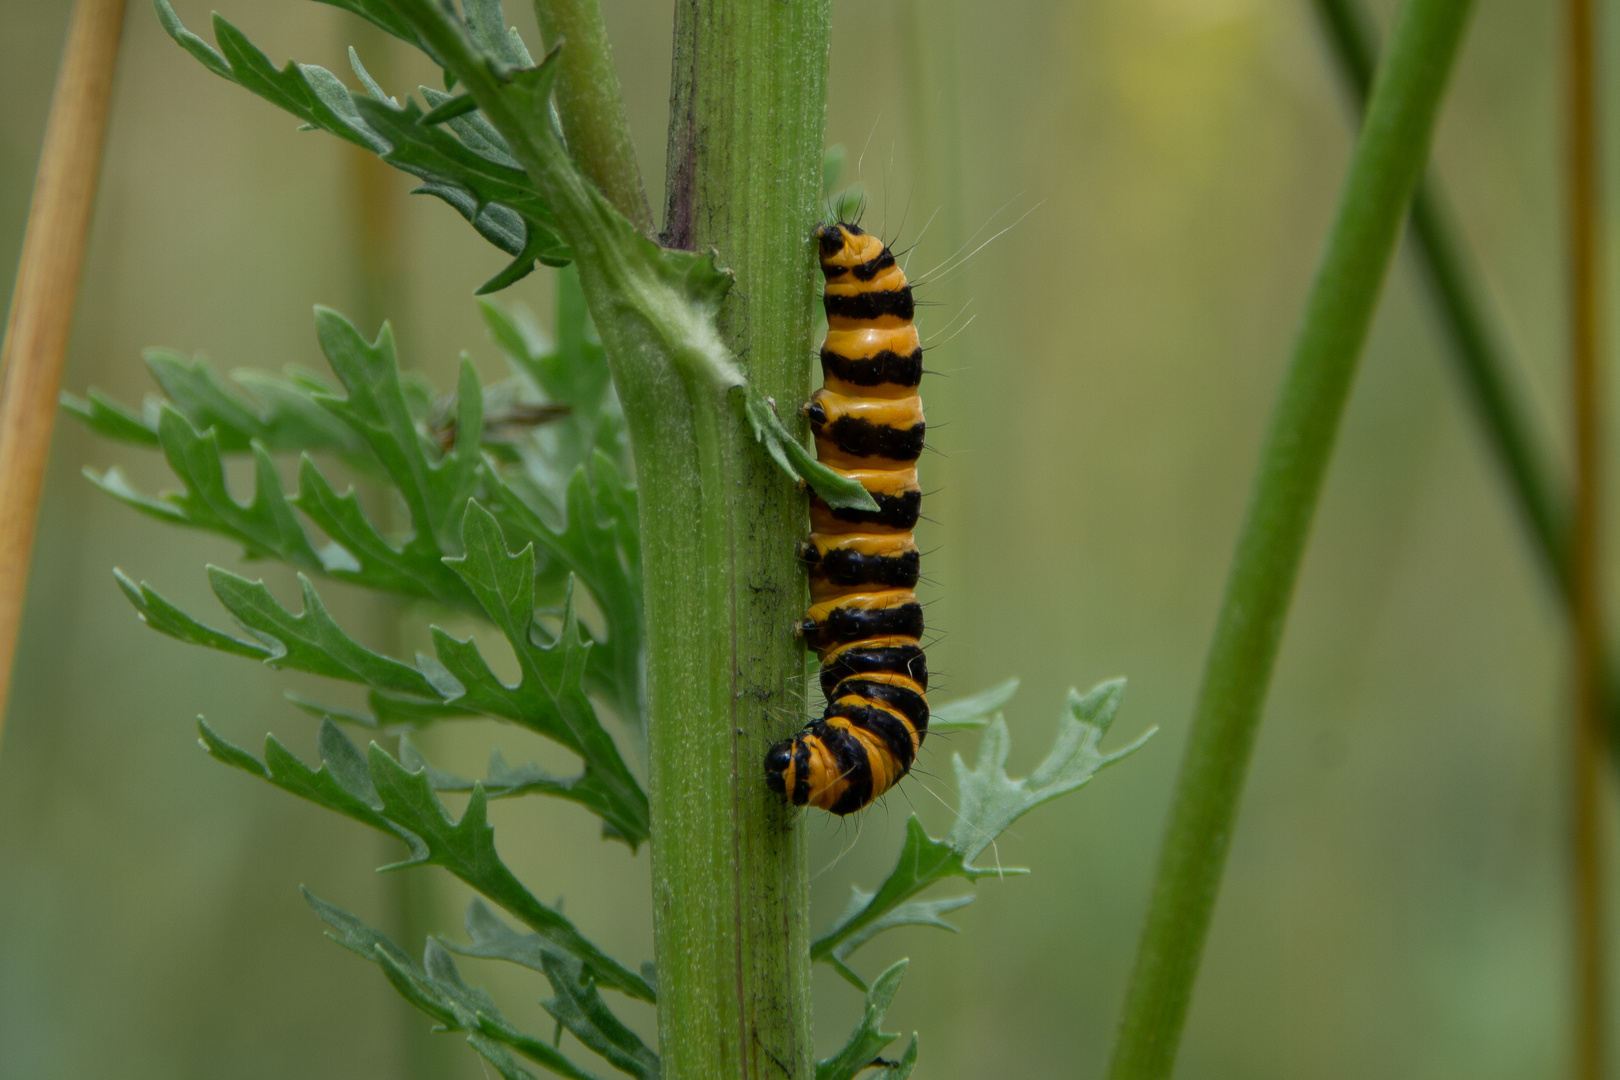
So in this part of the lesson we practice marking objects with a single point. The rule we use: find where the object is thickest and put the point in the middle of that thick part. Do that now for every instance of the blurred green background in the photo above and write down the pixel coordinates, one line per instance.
(1394, 905)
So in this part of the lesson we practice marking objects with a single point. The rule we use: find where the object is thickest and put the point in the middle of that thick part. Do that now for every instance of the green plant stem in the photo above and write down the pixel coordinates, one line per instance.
(1384, 171)
(1486, 373)
(591, 106)
(747, 123)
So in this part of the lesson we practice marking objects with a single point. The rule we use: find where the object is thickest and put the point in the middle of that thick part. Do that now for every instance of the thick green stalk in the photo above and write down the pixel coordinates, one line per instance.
(1384, 171)
(747, 127)
(1485, 372)
(591, 106)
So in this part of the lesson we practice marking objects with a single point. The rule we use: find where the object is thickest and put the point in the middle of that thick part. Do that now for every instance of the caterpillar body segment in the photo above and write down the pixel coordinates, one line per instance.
(864, 620)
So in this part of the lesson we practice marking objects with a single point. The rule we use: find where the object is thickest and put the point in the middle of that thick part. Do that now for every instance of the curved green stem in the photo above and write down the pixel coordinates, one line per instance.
(591, 105)
(1384, 171)
(1487, 375)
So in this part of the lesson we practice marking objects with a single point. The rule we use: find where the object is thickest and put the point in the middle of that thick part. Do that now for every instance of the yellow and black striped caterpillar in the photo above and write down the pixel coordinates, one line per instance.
(864, 620)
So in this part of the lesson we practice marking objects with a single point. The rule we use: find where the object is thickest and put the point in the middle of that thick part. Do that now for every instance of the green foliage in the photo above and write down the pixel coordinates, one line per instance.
(437, 989)
(471, 169)
(972, 712)
(791, 457)
(866, 1041)
(573, 500)
(990, 803)
(377, 790)
(576, 1005)
(457, 558)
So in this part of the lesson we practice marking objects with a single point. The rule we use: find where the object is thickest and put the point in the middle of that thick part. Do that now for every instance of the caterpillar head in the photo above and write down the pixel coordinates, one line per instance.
(834, 236)
(778, 760)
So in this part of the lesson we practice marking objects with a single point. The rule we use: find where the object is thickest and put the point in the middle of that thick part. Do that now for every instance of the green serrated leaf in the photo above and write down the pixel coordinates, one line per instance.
(190, 42)
(467, 849)
(266, 527)
(600, 544)
(576, 1005)
(923, 862)
(287, 88)
(381, 15)
(899, 1070)
(165, 618)
(530, 1047)
(278, 412)
(866, 1041)
(196, 392)
(486, 175)
(204, 420)
(488, 28)
(972, 712)
(376, 409)
(550, 696)
(790, 455)
(915, 913)
(437, 989)
(492, 939)
(414, 570)
(572, 370)
(449, 110)
(447, 166)
(341, 783)
(990, 802)
(366, 80)
(312, 641)
(114, 483)
(473, 129)
(109, 419)
(281, 415)
(382, 793)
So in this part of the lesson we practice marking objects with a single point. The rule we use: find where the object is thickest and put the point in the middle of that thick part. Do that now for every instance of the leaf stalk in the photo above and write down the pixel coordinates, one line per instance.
(591, 105)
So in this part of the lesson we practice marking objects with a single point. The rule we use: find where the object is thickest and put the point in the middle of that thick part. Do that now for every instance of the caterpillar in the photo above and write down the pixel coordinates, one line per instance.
(864, 620)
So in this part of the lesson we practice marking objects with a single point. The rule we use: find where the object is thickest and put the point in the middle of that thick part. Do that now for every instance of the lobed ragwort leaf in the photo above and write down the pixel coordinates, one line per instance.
(990, 803)
(377, 790)
(866, 1042)
(437, 989)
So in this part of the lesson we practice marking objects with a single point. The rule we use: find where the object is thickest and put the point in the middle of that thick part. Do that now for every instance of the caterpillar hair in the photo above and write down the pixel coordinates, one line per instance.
(864, 620)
